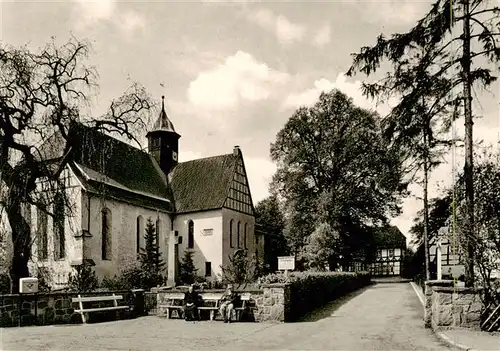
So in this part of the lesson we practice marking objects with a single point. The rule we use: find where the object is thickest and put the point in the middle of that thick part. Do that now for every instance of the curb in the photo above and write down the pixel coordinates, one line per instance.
(440, 334)
(443, 337)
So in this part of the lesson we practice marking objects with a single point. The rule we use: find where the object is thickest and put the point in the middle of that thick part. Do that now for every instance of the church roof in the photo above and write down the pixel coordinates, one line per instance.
(163, 123)
(106, 159)
(103, 159)
(202, 184)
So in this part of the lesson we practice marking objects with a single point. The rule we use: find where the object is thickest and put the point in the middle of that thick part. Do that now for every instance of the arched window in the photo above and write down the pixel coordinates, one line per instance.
(245, 236)
(58, 227)
(231, 233)
(106, 234)
(139, 233)
(42, 232)
(238, 237)
(157, 236)
(190, 234)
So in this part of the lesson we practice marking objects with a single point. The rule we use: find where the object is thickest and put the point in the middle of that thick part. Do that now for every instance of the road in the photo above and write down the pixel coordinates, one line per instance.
(381, 317)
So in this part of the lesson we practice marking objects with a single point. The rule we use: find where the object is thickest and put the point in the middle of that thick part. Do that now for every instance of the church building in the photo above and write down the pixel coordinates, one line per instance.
(203, 205)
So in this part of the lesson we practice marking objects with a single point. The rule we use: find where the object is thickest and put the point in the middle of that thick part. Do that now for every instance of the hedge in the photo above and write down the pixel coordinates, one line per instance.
(310, 290)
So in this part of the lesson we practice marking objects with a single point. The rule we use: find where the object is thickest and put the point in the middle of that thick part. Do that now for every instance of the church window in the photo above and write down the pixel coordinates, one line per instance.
(42, 233)
(231, 233)
(238, 237)
(106, 234)
(208, 269)
(139, 233)
(157, 233)
(190, 234)
(58, 227)
(245, 236)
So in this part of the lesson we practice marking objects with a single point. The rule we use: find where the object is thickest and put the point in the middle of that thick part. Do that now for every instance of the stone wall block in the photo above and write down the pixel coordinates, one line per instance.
(444, 316)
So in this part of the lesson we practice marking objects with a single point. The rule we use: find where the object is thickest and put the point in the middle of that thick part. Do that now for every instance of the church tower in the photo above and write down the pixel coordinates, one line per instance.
(163, 141)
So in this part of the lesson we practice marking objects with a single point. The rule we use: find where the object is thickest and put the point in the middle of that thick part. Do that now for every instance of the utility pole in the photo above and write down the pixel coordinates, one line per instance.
(469, 231)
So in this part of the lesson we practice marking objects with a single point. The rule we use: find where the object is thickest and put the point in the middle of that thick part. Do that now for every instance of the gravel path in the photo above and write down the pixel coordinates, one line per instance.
(380, 317)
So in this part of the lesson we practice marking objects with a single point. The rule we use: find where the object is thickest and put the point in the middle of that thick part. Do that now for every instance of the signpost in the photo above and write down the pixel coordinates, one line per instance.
(286, 263)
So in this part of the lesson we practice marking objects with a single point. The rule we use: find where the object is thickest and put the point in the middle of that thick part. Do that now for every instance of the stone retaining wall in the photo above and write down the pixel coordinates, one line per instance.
(448, 306)
(54, 308)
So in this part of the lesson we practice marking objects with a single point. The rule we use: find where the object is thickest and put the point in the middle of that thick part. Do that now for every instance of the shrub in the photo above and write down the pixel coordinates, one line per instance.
(4, 283)
(241, 269)
(84, 279)
(310, 290)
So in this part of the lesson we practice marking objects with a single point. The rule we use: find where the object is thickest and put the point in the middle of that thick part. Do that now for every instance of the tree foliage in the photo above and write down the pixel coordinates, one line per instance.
(187, 270)
(151, 262)
(322, 245)
(43, 93)
(83, 279)
(242, 269)
(427, 68)
(270, 217)
(335, 167)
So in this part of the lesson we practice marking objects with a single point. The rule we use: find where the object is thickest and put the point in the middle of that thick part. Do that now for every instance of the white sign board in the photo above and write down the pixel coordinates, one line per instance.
(28, 285)
(286, 263)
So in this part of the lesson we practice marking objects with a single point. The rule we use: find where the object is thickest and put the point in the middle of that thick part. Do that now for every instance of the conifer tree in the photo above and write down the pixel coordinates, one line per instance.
(187, 270)
(151, 262)
(477, 23)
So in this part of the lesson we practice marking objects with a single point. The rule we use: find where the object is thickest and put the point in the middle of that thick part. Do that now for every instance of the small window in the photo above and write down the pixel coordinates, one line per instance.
(208, 269)
(180, 240)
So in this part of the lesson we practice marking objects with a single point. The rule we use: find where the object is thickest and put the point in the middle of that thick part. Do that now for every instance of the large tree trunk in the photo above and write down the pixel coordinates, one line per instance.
(21, 240)
(426, 205)
(468, 229)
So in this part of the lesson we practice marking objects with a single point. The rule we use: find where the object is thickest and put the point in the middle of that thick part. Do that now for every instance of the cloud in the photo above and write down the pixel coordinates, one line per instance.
(322, 36)
(310, 96)
(398, 12)
(286, 31)
(91, 12)
(240, 78)
(259, 172)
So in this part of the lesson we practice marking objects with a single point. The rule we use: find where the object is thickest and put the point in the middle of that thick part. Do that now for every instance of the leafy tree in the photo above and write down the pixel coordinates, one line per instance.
(322, 247)
(187, 270)
(272, 221)
(42, 94)
(487, 208)
(477, 21)
(84, 279)
(242, 269)
(151, 262)
(335, 167)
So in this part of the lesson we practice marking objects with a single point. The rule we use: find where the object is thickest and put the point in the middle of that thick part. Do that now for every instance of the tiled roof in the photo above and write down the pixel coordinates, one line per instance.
(388, 237)
(202, 184)
(107, 159)
(102, 158)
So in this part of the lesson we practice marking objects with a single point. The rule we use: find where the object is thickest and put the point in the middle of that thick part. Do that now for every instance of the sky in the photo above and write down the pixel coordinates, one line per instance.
(233, 72)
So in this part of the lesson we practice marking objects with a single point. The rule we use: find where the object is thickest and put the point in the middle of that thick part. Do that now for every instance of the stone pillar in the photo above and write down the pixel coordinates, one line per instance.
(173, 258)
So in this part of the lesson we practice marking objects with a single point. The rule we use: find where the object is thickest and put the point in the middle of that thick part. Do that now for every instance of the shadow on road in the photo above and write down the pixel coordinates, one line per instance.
(327, 310)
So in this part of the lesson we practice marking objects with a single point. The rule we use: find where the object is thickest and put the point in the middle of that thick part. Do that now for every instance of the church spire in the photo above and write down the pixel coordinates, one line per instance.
(163, 141)
(163, 123)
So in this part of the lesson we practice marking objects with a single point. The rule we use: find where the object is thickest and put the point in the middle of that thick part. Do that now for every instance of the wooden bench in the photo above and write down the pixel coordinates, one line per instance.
(83, 311)
(174, 304)
(211, 303)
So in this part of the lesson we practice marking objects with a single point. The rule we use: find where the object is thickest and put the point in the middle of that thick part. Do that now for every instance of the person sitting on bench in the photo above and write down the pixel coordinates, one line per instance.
(191, 303)
(228, 300)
